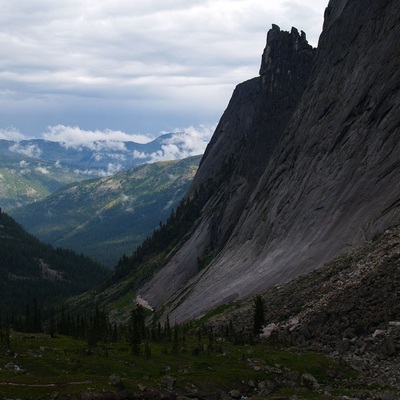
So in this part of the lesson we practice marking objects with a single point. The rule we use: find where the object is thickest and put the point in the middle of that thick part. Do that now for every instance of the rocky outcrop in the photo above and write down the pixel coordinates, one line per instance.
(348, 309)
(238, 154)
(303, 166)
(329, 182)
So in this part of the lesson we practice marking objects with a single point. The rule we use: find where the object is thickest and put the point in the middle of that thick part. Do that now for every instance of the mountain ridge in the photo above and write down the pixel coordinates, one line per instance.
(329, 185)
(107, 217)
(233, 162)
(32, 169)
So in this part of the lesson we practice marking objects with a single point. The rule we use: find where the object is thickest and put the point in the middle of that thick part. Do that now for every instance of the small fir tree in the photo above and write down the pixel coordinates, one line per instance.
(259, 316)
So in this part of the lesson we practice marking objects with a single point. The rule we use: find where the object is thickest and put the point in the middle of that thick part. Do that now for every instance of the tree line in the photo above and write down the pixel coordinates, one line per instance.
(140, 331)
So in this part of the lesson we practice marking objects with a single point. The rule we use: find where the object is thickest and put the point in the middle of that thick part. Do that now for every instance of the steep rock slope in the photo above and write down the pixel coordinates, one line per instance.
(238, 154)
(349, 308)
(331, 183)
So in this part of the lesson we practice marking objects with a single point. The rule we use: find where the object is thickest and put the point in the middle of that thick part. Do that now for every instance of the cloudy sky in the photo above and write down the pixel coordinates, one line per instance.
(129, 68)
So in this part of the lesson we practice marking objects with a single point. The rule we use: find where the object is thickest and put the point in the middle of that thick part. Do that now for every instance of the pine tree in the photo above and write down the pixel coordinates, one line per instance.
(5, 334)
(37, 320)
(259, 317)
(147, 350)
(98, 329)
(175, 343)
(62, 323)
(210, 347)
(114, 334)
(168, 329)
(28, 319)
(137, 329)
(52, 324)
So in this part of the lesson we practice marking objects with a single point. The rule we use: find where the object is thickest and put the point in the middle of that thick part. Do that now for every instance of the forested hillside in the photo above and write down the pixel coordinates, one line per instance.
(30, 269)
(107, 217)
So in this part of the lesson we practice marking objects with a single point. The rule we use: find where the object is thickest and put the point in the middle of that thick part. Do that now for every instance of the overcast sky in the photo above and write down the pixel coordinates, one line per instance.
(130, 68)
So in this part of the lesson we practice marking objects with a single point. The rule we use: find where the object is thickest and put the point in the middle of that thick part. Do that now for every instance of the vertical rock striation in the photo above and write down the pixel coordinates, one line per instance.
(238, 153)
(296, 178)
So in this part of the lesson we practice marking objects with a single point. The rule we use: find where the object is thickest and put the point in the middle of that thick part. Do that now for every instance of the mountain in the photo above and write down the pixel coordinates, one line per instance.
(32, 169)
(348, 309)
(286, 185)
(107, 217)
(25, 179)
(331, 182)
(30, 269)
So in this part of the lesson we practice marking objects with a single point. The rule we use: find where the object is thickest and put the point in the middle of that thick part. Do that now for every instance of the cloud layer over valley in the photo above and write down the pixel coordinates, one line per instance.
(102, 153)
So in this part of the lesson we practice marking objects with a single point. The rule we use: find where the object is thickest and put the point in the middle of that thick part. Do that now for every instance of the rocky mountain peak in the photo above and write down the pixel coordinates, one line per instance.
(260, 109)
(333, 11)
(286, 56)
(236, 157)
(303, 165)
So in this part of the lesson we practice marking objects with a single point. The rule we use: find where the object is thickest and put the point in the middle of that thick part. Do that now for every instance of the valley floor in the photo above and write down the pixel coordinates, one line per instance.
(39, 367)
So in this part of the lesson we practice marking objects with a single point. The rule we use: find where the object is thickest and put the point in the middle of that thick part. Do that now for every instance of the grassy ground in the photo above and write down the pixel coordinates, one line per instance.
(45, 368)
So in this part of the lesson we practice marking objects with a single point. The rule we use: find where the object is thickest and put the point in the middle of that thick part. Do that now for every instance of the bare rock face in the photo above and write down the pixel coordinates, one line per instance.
(237, 156)
(296, 177)
(258, 112)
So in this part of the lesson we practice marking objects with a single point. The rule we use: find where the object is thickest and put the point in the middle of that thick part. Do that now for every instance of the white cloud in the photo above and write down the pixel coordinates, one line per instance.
(189, 142)
(139, 155)
(126, 64)
(95, 140)
(97, 157)
(30, 150)
(182, 143)
(110, 170)
(11, 134)
(113, 168)
(42, 170)
(128, 203)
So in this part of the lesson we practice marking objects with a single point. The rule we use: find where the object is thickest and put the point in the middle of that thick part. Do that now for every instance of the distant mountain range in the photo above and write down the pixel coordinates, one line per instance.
(108, 217)
(32, 169)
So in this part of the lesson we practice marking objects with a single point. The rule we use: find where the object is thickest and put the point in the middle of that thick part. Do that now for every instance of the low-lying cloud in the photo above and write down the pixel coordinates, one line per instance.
(73, 136)
(178, 144)
(181, 144)
(42, 170)
(11, 134)
(29, 150)
(103, 153)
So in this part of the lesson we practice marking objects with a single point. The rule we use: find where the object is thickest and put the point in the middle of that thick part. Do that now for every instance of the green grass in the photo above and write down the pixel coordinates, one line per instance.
(62, 365)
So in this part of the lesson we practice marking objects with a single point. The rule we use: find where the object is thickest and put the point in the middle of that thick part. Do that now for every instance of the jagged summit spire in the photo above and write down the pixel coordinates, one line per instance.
(285, 54)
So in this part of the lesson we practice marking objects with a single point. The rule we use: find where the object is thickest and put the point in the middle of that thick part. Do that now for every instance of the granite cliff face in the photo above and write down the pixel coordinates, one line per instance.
(299, 169)
(238, 154)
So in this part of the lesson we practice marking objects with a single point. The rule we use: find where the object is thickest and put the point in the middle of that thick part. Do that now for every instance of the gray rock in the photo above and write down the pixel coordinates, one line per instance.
(286, 198)
(235, 394)
(238, 153)
(169, 382)
(309, 381)
(115, 380)
(388, 348)
(267, 331)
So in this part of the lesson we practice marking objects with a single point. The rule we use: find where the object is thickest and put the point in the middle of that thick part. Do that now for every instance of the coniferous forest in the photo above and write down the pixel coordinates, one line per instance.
(32, 271)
